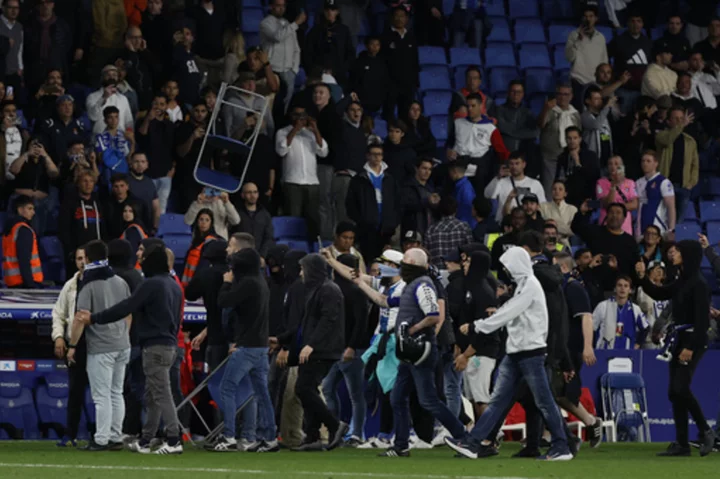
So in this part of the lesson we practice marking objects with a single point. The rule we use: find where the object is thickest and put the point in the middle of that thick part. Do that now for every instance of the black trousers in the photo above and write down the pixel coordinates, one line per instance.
(310, 375)
(77, 384)
(682, 399)
(386, 415)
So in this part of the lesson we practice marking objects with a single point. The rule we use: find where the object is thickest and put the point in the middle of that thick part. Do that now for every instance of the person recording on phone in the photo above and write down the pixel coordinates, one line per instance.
(616, 188)
(511, 186)
(597, 134)
(224, 212)
(108, 95)
(585, 50)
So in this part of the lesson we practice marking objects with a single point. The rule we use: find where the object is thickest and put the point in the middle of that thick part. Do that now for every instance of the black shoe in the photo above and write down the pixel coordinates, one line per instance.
(393, 452)
(92, 446)
(675, 450)
(338, 437)
(309, 446)
(594, 433)
(574, 443)
(708, 443)
(526, 453)
(545, 443)
(115, 446)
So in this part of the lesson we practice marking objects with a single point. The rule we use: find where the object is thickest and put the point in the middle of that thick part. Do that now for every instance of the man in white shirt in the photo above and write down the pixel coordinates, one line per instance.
(509, 190)
(705, 87)
(13, 138)
(299, 145)
(659, 79)
(108, 95)
(278, 37)
(657, 197)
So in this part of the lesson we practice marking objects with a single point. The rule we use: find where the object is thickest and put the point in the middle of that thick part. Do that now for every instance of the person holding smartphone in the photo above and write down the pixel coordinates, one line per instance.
(615, 188)
(585, 50)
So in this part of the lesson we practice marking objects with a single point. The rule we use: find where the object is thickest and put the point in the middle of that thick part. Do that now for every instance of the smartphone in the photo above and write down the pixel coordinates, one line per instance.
(522, 190)
(9, 91)
(211, 192)
(594, 204)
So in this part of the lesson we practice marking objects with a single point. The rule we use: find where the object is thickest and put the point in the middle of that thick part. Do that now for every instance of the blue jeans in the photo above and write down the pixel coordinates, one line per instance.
(512, 372)
(106, 374)
(244, 362)
(682, 196)
(163, 186)
(453, 385)
(422, 378)
(353, 371)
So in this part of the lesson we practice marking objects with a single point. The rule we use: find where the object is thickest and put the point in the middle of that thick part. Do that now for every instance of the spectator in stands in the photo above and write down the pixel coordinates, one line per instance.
(143, 188)
(615, 250)
(12, 139)
(699, 18)
(708, 47)
(559, 211)
(617, 188)
(485, 221)
(555, 118)
(462, 191)
(184, 69)
(650, 247)
(349, 158)
(33, 172)
(685, 98)
(210, 20)
(174, 111)
(705, 86)
(134, 231)
(77, 158)
(373, 203)
(12, 29)
(21, 257)
(267, 83)
(343, 244)
(631, 52)
(278, 37)
(419, 133)
(620, 323)
(113, 145)
(552, 237)
(657, 197)
(44, 100)
(511, 185)
(139, 65)
(236, 120)
(517, 124)
(234, 42)
(578, 167)
(189, 136)
(124, 87)
(659, 79)
(448, 234)
(677, 42)
(203, 232)
(224, 213)
(108, 96)
(121, 196)
(400, 155)
(81, 218)
(329, 43)
(585, 50)
(678, 154)
(400, 50)
(47, 44)
(300, 144)
(419, 199)
(510, 237)
(531, 207)
(369, 76)
(474, 142)
(62, 128)
(597, 134)
(156, 133)
(653, 310)
(473, 82)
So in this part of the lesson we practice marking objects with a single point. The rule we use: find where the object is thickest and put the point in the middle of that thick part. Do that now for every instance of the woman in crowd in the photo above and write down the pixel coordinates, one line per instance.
(616, 188)
(134, 231)
(203, 231)
(419, 134)
(650, 247)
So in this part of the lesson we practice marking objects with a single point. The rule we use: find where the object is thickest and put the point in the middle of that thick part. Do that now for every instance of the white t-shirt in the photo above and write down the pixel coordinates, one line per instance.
(500, 188)
(661, 217)
(13, 149)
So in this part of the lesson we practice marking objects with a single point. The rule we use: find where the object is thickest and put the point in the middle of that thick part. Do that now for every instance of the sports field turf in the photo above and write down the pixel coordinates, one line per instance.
(30, 460)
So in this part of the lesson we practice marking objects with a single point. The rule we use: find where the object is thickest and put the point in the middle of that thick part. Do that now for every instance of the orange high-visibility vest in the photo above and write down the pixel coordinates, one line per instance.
(142, 235)
(11, 266)
(193, 260)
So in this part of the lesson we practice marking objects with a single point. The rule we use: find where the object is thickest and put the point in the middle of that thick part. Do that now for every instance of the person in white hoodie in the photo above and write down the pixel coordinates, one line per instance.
(526, 318)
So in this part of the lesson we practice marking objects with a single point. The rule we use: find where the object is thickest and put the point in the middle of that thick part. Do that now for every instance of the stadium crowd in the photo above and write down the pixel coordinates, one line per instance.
(595, 169)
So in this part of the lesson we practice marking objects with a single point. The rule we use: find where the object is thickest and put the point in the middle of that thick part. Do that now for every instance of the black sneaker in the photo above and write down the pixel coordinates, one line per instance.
(594, 433)
(269, 446)
(309, 447)
(393, 452)
(462, 447)
(574, 443)
(222, 444)
(675, 450)
(337, 438)
(527, 453)
(708, 443)
(92, 446)
(354, 441)
(115, 446)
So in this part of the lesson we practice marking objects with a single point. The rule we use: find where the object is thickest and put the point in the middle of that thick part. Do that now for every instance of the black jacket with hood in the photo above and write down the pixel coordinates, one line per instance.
(121, 259)
(206, 284)
(351, 148)
(362, 207)
(23, 249)
(370, 80)
(690, 297)
(356, 307)
(278, 287)
(293, 304)
(400, 159)
(479, 296)
(80, 221)
(249, 297)
(323, 324)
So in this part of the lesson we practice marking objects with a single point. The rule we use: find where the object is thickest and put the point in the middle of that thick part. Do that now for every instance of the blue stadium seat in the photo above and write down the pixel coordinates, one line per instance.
(178, 244)
(524, 9)
(172, 224)
(494, 8)
(432, 56)
(359, 49)
(500, 31)
(687, 231)
(690, 214)
(529, 30)
(295, 244)
(380, 128)
(606, 31)
(657, 32)
(436, 103)
(711, 280)
(290, 227)
(536, 103)
(53, 259)
(459, 77)
(539, 80)
(559, 34)
(464, 56)
(713, 232)
(534, 56)
(554, 10)
(253, 39)
(709, 211)
(559, 60)
(435, 78)
(251, 18)
(18, 418)
(713, 185)
(439, 128)
(51, 400)
(500, 100)
(499, 55)
(702, 188)
(501, 77)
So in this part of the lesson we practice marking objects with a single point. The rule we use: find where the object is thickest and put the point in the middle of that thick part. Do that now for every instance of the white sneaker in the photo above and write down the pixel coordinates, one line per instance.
(135, 446)
(417, 443)
(439, 439)
(243, 445)
(167, 449)
(375, 443)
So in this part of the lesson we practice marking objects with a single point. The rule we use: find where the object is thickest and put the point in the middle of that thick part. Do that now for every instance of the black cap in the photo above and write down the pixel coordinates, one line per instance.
(453, 256)
(331, 5)
(530, 197)
(411, 236)
(661, 46)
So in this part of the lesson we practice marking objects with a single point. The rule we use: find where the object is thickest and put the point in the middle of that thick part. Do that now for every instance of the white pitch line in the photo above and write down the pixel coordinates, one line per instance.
(240, 471)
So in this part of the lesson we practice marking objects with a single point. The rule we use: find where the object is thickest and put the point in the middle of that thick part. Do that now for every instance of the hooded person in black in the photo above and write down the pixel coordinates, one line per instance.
(278, 286)
(690, 297)
(321, 337)
(351, 366)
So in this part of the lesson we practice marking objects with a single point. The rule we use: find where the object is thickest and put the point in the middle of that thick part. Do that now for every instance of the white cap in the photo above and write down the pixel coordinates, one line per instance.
(391, 256)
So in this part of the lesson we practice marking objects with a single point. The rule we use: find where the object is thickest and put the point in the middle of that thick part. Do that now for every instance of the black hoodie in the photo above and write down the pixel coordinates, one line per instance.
(480, 295)
(248, 295)
(206, 284)
(294, 302)
(278, 286)
(356, 307)
(80, 221)
(400, 159)
(121, 259)
(23, 249)
(323, 324)
(370, 80)
(690, 297)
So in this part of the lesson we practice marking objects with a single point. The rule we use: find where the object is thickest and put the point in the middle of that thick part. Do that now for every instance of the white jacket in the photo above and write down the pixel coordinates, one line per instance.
(224, 215)
(525, 314)
(63, 312)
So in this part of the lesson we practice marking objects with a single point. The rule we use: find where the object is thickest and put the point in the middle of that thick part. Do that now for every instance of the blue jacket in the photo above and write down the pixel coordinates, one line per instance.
(464, 195)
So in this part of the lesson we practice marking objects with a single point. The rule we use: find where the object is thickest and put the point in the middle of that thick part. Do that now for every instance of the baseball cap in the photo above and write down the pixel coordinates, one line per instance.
(530, 197)
(411, 236)
(331, 5)
(453, 256)
(391, 256)
(661, 46)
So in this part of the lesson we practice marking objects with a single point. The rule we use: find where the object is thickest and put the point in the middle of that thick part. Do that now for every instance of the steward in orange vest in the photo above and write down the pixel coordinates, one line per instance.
(203, 232)
(21, 257)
